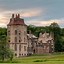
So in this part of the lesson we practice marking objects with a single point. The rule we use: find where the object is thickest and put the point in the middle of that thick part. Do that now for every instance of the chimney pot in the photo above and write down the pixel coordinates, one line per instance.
(18, 15)
(12, 15)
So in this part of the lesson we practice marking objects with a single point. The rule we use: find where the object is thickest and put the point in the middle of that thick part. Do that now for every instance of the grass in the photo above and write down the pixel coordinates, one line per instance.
(56, 58)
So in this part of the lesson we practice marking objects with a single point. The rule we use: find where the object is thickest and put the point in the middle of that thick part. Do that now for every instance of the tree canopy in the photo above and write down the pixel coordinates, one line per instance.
(5, 52)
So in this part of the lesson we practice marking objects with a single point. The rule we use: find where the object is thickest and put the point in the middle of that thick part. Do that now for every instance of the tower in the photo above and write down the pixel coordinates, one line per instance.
(17, 35)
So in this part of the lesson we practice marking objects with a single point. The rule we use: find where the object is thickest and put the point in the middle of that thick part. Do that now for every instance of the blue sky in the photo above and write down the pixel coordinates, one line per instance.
(36, 12)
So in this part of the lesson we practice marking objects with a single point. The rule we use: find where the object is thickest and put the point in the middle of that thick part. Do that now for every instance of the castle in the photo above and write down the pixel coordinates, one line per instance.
(24, 44)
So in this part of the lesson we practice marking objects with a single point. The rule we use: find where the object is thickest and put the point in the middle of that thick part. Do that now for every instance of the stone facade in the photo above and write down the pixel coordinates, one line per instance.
(17, 36)
(45, 43)
(32, 40)
(24, 44)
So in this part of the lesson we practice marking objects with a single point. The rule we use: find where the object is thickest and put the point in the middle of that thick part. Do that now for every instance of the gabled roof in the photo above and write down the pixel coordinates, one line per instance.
(31, 36)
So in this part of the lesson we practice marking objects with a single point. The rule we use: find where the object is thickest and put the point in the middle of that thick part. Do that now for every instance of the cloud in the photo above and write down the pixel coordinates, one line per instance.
(5, 15)
(31, 13)
(25, 12)
(45, 23)
(2, 25)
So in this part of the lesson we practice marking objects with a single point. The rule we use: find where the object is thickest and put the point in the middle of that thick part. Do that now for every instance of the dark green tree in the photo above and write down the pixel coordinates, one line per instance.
(54, 27)
(5, 52)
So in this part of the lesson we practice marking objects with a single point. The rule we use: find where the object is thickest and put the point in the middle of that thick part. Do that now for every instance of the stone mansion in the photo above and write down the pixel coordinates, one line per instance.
(24, 44)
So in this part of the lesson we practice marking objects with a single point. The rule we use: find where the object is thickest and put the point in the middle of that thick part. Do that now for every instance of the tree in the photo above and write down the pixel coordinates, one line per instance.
(54, 27)
(5, 52)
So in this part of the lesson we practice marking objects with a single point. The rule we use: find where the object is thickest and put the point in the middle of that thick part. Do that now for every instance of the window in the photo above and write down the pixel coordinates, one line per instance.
(24, 39)
(19, 54)
(20, 47)
(15, 54)
(8, 40)
(15, 39)
(8, 32)
(15, 47)
(19, 39)
(24, 32)
(19, 33)
(15, 32)
(22, 54)
(24, 48)
(44, 47)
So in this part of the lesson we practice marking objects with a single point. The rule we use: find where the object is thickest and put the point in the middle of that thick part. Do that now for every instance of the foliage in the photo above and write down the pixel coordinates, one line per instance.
(5, 52)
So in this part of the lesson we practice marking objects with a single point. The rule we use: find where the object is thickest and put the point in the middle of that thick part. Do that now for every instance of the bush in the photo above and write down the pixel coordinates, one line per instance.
(40, 60)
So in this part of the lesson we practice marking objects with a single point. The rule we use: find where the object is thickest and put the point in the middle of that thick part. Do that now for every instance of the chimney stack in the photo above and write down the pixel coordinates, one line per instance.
(18, 15)
(12, 15)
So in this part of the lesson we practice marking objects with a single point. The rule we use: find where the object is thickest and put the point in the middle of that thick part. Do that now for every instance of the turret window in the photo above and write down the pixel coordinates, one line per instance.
(19, 33)
(15, 54)
(8, 32)
(24, 48)
(15, 47)
(8, 40)
(15, 32)
(19, 39)
(15, 39)
(24, 39)
(20, 47)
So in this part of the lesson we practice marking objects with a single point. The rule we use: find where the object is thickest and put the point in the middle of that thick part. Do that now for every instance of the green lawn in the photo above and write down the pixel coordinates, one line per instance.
(41, 59)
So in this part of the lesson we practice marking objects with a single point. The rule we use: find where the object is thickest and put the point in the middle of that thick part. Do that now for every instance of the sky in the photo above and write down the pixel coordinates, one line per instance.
(34, 12)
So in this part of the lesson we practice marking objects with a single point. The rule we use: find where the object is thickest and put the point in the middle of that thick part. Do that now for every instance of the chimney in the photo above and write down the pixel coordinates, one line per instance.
(12, 19)
(12, 15)
(18, 15)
